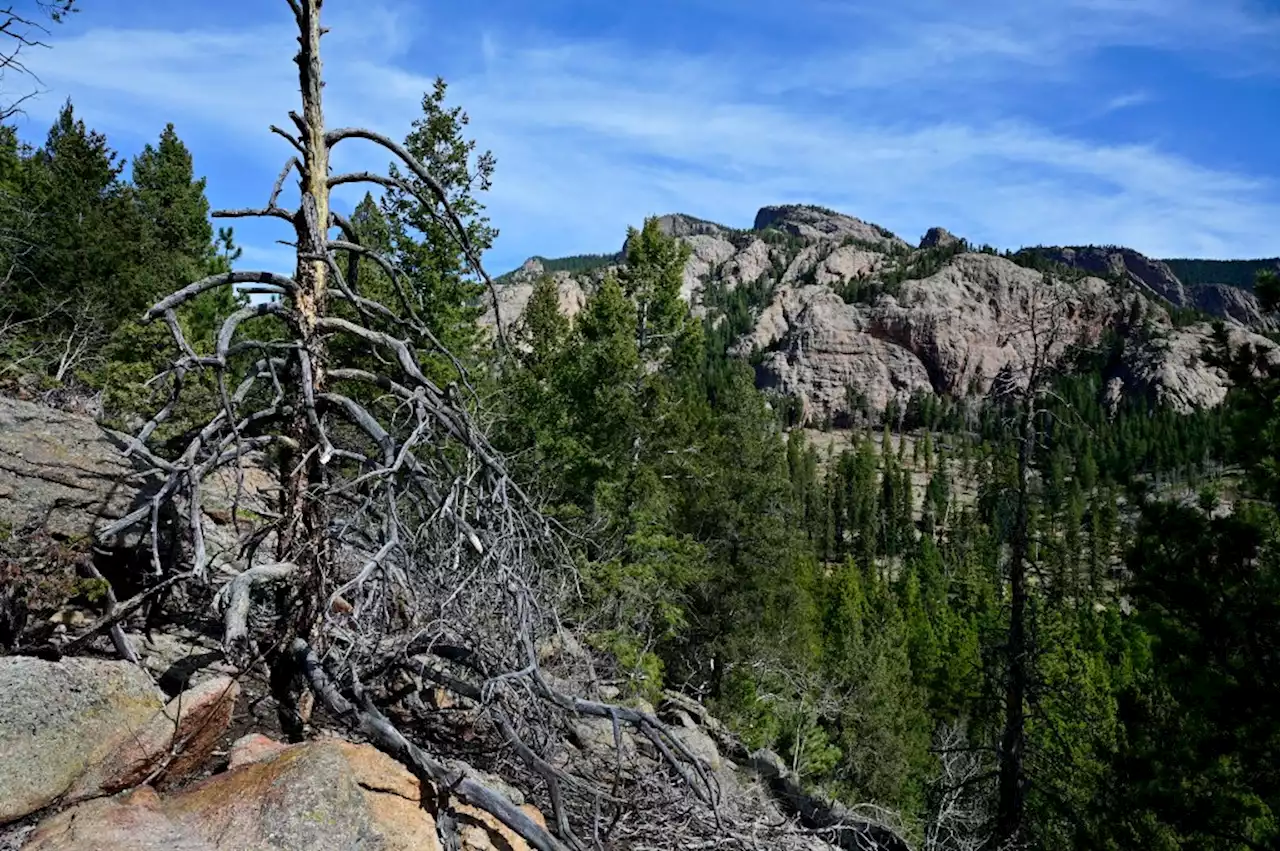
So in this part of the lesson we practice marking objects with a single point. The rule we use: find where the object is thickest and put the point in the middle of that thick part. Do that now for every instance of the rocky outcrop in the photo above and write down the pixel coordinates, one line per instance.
(938, 238)
(748, 265)
(1233, 304)
(58, 719)
(945, 329)
(682, 225)
(60, 473)
(1172, 368)
(817, 224)
(948, 333)
(66, 476)
(1151, 275)
(80, 728)
(320, 795)
(818, 349)
(515, 292)
(172, 745)
(1222, 301)
(706, 255)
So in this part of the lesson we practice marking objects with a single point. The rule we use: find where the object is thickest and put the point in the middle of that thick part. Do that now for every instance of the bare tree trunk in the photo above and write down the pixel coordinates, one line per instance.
(1011, 804)
(303, 539)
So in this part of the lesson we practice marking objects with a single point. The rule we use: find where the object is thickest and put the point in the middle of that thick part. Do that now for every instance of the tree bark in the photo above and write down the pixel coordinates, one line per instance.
(303, 538)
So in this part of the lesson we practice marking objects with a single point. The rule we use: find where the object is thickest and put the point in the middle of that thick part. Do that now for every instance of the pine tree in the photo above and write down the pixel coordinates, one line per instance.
(652, 278)
(444, 287)
(75, 277)
(176, 239)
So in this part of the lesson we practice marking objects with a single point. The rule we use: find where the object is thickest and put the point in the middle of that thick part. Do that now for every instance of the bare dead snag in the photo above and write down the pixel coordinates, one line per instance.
(403, 550)
(1025, 387)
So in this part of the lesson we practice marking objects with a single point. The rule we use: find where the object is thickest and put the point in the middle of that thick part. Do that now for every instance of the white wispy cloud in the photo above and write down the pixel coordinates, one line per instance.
(593, 135)
(1127, 101)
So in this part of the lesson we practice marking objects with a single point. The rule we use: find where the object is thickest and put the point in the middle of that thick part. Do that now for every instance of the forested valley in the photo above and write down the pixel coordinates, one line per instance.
(1035, 618)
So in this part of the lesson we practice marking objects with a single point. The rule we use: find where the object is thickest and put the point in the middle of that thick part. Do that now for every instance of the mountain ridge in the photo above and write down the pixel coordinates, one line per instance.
(847, 317)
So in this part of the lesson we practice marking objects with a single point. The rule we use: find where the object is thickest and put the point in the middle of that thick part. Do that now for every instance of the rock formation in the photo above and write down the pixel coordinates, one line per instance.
(327, 794)
(815, 223)
(857, 317)
(60, 473)
(1156, 278)
(1233, 304)
(80, 728)
(948, 333)
(1172, 368)
(937, 237)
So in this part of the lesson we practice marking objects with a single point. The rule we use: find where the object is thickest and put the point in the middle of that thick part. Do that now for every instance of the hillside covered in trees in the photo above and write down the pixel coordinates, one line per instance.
(1030, 605)
(1236, 273)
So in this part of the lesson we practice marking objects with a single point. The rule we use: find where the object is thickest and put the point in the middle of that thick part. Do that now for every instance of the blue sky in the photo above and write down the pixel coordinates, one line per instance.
(1148, 123)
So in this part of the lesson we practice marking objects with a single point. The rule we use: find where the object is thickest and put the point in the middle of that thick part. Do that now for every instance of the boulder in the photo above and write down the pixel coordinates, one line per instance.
(481, 831)
(319, 796)
(253, 747)
(179, 658)
(172, 745)
(134, 821)
(701, 745)
(324, 795)
(59, 720)
(83, 728)
(64, 476)
(60, 473)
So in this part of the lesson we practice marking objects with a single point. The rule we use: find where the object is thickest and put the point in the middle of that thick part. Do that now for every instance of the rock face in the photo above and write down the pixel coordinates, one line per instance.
(815, 223)
(1151, 275)
(513, 297)
(80, 728)
(948, 333)
(59, 719)
(1154, 276)
(1233, 304)
(818, 349)
(938, 238)
(172, 744)
(681, 225)
(853, 317)
(65, 475)
(1173, 370)
(325, 795)
(60, 473)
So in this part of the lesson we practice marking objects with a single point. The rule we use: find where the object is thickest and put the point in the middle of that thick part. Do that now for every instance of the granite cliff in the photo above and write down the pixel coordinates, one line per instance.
(852, 316)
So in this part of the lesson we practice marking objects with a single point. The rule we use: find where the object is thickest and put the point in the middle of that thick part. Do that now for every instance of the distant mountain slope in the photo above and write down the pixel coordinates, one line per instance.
(845, 317)
(1235, 273)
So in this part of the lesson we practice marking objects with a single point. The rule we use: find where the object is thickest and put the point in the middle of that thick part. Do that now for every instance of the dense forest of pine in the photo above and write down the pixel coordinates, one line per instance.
(856, 607)
(1236, 273)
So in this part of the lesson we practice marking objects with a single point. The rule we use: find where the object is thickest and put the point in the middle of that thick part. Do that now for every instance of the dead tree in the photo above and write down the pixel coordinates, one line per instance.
(21, 32)
(1024, 386)
(402, 556)
(959, 808)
